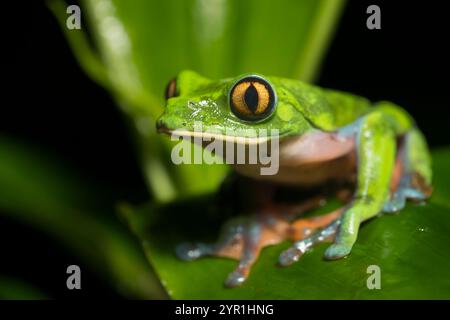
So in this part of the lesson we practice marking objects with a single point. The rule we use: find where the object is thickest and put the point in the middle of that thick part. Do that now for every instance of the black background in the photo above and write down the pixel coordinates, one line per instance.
(48, 101)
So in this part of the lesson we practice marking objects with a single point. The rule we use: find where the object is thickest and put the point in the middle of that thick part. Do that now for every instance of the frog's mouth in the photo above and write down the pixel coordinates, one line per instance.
(203, 136)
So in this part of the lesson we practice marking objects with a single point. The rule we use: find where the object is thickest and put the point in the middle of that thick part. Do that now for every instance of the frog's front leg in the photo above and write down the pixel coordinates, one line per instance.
(376, 150)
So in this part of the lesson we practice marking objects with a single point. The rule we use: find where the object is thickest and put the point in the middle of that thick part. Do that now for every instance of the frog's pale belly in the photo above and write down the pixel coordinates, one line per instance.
(310, 159)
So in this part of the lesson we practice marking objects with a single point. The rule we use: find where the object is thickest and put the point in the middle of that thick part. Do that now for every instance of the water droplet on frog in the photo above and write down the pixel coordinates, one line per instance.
(191, 105)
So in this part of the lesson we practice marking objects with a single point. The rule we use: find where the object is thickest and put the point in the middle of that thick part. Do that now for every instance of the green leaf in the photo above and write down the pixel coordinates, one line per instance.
(411, 249)
(148, 42)
(14, 289)
(140, 45)
(440, 176)
(37, 189)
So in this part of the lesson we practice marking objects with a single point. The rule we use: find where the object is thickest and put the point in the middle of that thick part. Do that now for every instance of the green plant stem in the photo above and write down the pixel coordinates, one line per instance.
(319, 36)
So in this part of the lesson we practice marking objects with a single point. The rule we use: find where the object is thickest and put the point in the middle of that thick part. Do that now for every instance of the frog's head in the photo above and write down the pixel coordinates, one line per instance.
(230, 108)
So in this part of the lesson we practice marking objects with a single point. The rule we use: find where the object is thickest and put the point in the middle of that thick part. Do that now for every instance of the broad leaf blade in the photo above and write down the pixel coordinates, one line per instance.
(143, 44)
(13, 289)
(411, 249)
(148, 42)
(35, 188)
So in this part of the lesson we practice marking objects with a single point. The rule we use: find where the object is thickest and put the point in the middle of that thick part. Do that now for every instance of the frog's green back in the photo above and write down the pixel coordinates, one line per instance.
(326, 109)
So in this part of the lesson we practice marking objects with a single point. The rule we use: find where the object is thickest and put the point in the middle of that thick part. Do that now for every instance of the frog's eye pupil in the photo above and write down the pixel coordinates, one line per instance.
(171, 89)
(252, 98)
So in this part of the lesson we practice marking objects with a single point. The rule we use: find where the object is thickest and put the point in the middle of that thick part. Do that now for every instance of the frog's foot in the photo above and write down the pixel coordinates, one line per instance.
(243, 239)
(408, 178)
(329, 225)
(412, 187)
(227, 246)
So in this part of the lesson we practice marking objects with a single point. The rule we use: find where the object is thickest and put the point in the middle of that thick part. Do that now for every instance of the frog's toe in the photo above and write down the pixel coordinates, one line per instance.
(337, 251)
(395, 203)
(289, 256)
(236, 278)
(294, 253)
(190, 251)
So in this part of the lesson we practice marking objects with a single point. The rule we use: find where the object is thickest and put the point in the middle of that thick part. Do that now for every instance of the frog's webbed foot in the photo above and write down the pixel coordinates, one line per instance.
(408, 180)
(244, 238)
(226, 246)
(329, 225)
(410, 186)
(241, 240)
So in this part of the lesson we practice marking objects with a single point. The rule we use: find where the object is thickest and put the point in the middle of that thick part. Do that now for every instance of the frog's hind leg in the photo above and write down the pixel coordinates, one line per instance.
(272, 231)
(243, 238)
(412, 174)
(240, 240)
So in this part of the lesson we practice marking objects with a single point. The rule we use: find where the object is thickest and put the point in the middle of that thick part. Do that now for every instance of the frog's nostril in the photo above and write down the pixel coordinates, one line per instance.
(160, 126)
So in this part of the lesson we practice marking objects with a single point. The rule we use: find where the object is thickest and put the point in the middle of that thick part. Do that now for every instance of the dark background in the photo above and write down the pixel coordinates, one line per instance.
(48, 101)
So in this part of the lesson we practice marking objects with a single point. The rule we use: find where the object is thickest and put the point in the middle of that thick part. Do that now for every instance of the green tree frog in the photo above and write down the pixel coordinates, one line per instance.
(372, 152)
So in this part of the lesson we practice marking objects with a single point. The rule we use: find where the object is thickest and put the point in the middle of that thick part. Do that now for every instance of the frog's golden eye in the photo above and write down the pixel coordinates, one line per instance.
(252, 98)
(171, 89)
